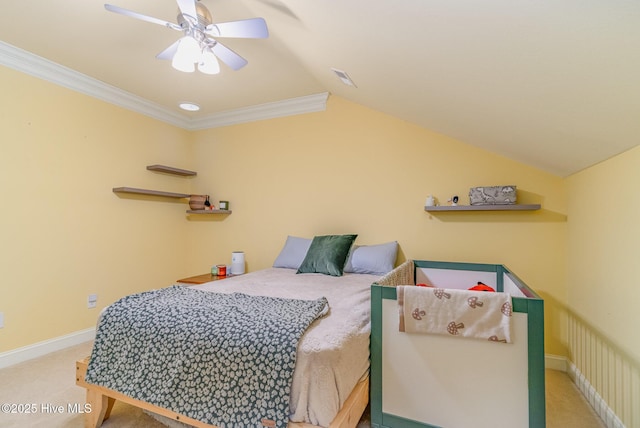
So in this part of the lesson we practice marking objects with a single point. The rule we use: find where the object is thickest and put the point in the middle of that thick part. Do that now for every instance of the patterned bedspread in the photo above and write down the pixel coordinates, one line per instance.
(223, 359)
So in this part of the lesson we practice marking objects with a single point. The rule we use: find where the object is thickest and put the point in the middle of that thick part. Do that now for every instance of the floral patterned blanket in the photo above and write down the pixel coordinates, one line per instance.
(223, 359)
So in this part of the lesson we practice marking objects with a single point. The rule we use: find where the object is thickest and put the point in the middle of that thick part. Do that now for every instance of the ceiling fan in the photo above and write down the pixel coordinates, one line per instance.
(198, 44)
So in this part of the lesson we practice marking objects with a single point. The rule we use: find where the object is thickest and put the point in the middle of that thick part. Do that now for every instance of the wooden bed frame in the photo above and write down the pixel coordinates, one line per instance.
(102, 399)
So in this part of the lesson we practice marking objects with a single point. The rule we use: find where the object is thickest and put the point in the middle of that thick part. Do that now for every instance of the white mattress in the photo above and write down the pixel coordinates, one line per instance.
(333, 354)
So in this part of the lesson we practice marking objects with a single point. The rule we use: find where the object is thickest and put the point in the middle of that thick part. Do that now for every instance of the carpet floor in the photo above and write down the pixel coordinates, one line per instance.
(48, 384)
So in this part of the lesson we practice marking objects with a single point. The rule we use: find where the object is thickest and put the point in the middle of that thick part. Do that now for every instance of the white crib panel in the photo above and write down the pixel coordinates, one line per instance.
(508, 286)
(453, 278)
(454, 383)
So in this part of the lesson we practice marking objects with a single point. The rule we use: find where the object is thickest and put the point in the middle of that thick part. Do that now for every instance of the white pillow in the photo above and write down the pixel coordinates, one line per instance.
(293, 253)
(373, 259)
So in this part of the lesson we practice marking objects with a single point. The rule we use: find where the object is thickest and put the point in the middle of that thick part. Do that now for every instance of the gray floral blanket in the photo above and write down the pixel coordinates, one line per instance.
(223, 359)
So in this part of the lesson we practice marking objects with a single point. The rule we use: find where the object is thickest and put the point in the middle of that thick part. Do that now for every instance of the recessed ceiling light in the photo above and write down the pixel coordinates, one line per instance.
(189, 106)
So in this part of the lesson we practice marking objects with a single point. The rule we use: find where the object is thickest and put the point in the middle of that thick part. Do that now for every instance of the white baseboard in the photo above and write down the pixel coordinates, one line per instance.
(39, 349)
(600, 406)
(555, 362)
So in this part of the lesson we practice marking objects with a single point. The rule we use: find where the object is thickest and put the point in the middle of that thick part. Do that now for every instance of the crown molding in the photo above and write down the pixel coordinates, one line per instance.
(289, 107)
(42, 68)
(34, 65)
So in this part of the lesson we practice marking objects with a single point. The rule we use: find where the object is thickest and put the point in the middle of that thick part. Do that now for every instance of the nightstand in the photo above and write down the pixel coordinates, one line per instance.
(200, 279)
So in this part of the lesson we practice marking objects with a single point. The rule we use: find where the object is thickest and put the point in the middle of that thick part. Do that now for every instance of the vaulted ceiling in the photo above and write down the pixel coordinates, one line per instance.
(553, 84)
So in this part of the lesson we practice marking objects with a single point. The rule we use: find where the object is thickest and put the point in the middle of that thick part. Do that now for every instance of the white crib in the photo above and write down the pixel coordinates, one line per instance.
(425, 380)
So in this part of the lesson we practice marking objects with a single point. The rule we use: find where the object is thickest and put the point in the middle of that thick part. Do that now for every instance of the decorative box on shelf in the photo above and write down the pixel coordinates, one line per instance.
(492, 195)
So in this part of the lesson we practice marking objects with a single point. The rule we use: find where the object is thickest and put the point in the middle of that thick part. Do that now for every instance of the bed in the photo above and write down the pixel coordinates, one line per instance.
(437, 380)
(330, 383)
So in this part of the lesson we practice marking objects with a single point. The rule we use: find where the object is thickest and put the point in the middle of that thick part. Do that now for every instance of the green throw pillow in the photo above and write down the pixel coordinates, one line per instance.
(327, 254)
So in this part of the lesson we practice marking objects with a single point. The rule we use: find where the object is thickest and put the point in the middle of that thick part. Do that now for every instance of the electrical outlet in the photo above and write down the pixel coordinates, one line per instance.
(1, 319)
(92, 301)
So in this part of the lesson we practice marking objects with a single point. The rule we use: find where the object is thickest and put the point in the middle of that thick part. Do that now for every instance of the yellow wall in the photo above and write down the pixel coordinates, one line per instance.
(604, 243)
(354, 170)
(603, 294)
(63, 233)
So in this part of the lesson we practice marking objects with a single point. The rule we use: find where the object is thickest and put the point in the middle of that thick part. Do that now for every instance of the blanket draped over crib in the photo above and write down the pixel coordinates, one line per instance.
(452, 312)
(223, 359)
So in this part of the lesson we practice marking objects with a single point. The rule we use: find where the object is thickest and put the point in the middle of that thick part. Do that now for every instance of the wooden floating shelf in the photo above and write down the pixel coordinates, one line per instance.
(171, 170)
(150, 192)
(515, 207)
(209, 211)
(168, 170)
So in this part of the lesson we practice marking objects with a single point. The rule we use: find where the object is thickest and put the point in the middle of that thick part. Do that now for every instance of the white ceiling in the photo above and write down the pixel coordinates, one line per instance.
(553, 84)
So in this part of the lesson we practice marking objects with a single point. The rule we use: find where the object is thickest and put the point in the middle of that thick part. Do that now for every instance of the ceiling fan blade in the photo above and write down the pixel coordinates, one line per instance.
(254, 28)
(169, 52)
(228, 56)
(126, 12)
(188, 7)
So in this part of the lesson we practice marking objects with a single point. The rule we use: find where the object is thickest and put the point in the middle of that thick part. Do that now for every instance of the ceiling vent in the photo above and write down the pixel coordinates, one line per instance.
(344, 77)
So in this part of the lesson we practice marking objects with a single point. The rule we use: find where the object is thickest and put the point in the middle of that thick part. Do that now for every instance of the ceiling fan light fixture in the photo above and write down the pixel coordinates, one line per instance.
(199, 34)
(187, 54)
(182, 65)
(208, 63)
